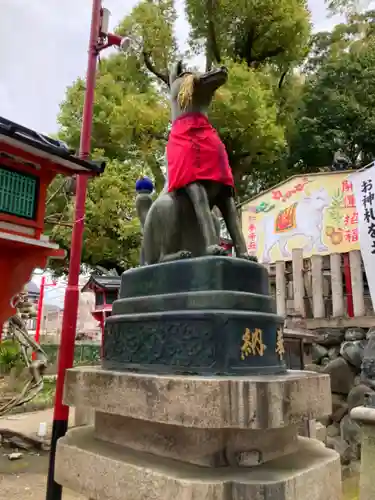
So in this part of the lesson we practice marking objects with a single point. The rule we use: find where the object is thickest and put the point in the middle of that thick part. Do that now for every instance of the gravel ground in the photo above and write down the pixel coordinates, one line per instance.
(25, 479)
(29, 487)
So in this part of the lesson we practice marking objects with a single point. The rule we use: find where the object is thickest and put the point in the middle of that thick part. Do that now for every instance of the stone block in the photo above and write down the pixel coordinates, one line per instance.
(205, 447)
(84, 416)
(111, 472)
(258, 402)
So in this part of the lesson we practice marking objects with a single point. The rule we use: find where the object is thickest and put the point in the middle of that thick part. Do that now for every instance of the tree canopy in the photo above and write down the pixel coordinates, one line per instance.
(336, 112)
(292, 100)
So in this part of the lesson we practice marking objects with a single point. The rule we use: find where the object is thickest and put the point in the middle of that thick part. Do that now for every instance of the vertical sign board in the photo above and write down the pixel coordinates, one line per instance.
(364, 190)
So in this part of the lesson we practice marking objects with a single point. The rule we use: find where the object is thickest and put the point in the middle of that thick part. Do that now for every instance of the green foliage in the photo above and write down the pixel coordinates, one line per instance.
(130, 115)
(337, 109)
(246, 114)
(260, 41)
(112, 232)
(151, 24)
(10, 356)
(254, 31)
(351, 35)
(346, 6)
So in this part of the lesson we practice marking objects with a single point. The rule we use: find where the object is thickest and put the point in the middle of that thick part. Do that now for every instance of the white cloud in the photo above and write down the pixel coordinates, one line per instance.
(43, 48)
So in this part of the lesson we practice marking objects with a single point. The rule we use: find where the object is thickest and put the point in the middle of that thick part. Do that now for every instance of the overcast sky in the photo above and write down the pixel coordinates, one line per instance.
(43, 47)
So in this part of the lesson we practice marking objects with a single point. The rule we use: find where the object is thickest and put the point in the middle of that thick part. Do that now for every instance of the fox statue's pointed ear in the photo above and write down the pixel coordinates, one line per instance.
(175, 72)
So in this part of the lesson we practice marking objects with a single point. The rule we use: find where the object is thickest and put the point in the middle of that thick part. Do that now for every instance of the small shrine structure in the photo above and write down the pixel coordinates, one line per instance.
(29, 161)
(106, 290)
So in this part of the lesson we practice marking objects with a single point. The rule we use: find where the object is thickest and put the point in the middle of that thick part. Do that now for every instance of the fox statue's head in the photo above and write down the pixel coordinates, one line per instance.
(193, 92)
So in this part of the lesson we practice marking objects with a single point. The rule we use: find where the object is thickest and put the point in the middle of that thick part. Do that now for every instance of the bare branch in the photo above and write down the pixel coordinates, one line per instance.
(150, 66)
(282, 78)
(213, 51)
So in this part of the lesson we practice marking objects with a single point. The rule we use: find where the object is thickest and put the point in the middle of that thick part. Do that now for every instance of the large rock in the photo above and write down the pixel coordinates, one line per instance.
(368, 363)
(355, 333)
(342, 375)
(357, 396)
(318, 352)
(333, 430)
(341, 447)
(352, 351)
(329, 337)
(334, 352)
(351, 433)
(339, 407)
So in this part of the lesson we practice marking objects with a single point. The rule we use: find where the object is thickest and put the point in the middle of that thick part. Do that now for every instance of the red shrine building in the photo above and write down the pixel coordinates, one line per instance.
(106, 290)
(29, 162)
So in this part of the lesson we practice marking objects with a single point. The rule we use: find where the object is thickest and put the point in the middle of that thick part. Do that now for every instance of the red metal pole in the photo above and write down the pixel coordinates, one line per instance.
(40, 313)
(69, 324)
(348, 286)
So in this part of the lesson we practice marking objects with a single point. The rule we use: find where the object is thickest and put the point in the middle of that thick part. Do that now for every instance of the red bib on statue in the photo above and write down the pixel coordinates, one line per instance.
(196, 153)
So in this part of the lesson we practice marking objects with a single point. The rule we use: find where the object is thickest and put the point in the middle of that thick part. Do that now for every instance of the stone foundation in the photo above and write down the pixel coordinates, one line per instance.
(112, 472)
(340, 353)
(211, 438)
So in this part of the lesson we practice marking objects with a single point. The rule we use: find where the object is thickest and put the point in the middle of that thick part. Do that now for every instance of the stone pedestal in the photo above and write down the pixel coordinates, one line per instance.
(83, 416)
(365, 417)
(163, 437)
(206, 316)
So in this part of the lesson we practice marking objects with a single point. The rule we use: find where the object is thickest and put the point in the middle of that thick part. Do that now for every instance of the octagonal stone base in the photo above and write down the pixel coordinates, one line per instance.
(104, 471)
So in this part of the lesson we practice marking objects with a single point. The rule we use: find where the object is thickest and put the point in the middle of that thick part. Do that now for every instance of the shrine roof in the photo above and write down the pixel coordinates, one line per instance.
(102, 282)
(42, 146)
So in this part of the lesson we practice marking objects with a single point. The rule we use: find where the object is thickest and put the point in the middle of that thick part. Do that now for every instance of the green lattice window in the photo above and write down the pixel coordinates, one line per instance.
(18, 193)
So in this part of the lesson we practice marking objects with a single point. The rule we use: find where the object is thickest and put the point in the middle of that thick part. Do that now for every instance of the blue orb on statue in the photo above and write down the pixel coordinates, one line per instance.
(144, 185)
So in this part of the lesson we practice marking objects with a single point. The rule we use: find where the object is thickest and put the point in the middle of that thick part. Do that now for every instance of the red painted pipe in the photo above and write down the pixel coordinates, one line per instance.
(69, 323)
(348, 286)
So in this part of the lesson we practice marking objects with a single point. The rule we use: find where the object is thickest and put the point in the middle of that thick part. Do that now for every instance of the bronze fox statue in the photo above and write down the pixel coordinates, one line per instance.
(179, 223)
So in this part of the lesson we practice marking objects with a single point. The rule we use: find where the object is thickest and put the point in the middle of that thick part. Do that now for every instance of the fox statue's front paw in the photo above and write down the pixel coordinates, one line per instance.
(215, 250)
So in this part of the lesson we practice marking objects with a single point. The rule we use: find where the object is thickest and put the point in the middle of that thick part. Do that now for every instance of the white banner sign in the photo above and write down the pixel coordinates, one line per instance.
(364, 191)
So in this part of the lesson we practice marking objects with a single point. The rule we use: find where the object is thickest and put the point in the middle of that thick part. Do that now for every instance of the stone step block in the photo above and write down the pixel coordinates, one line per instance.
(205, 447)
(105, 471)
(255, 402)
